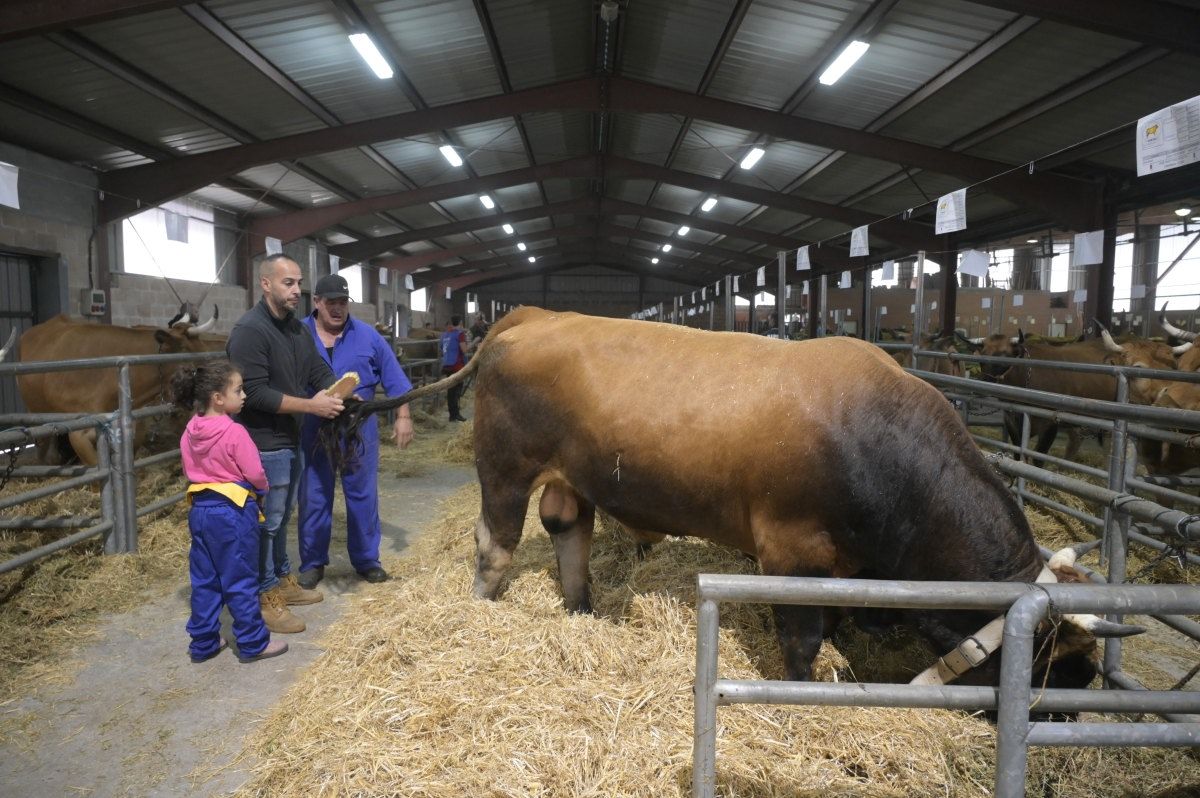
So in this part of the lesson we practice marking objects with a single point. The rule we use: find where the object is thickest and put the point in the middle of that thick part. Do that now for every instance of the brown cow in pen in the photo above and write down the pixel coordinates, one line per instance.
(819, 458)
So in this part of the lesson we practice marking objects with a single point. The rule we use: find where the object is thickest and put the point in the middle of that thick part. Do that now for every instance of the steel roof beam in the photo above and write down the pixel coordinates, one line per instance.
(442, 273)
(406, 264)
(19, 18)
(1159, 23)
(164, 181)
(361, 250)
(558, 263)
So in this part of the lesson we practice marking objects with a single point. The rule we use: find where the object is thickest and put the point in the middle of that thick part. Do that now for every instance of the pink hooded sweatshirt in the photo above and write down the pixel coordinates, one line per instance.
(218, 449)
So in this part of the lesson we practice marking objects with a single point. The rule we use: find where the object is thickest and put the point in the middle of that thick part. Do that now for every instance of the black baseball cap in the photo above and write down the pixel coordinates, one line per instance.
(332, 286)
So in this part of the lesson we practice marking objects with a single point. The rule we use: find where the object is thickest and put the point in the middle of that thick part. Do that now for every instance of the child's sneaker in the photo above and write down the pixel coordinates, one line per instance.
(273, 649)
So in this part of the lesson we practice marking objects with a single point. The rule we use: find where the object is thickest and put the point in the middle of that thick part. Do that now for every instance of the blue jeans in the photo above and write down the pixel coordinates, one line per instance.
(283, 477)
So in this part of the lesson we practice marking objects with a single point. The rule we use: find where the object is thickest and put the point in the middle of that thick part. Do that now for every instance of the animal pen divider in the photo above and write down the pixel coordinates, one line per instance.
(1127, 518)
(116, 468)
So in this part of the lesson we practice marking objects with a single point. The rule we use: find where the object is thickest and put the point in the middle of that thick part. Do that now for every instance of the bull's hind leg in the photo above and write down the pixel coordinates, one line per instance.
(497, 533)
(570, 520)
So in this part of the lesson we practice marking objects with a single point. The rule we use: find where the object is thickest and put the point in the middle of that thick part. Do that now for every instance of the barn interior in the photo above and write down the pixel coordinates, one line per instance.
(765, 166)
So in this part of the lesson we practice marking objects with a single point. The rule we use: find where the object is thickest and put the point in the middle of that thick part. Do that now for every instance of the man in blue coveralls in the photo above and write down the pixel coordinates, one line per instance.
(347, 345)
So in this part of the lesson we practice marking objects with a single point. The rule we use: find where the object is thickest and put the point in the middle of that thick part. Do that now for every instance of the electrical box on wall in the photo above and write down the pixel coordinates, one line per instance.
(92, 302)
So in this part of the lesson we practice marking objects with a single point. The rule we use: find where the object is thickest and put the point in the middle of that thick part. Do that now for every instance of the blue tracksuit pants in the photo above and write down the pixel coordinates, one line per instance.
(223, 562)
(360, 484)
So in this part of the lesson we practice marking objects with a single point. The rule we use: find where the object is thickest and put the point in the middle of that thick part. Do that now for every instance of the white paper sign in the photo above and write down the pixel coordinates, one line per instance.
(383, 276)
(787, 292)
(802, 261)
(883, 311)
(849, 312)
(274, 246)
(933, 305)
(912, 308)
(844, 282)
(1089, 248)
(951, 212)
(1080, 296)
(693, 297)
(1018, 300)
(447, 292)
(889, 270)
(717, 289)
(736, 287)
(762, 276)
(335, 264)
(986, 302)
(408, 282)
(704, 293)
(1138, 292)
(974, 262)
(858, 242)
(1169, 138)
(9, 177)
(804, 291)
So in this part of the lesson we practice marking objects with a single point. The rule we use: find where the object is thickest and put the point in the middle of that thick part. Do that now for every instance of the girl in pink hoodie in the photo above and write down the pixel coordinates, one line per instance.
(223, 465)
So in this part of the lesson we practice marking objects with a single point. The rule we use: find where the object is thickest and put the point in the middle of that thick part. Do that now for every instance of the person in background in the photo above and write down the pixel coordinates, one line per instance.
(455, 347)
(478, 330)
(347, 345)
(226, 476)
(281, 366)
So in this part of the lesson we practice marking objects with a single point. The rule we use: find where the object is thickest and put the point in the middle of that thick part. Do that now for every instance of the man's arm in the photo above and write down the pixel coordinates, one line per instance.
(250, 351)
(395, 383)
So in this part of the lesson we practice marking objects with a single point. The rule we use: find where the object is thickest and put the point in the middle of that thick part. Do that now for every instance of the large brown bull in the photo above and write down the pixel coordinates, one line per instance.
(802, 454)
(95, 390)
(937, 365)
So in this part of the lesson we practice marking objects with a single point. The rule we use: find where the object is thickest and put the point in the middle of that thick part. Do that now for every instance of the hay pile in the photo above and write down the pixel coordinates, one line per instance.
(49, 608)
(424, 691)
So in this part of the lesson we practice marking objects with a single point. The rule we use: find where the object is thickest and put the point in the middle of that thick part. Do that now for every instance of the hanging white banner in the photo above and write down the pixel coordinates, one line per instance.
(1089, 248)
(447, 292)
(802, 261)
(408, 282)
(858, 242)
(717, 289)
(1169, 138)
(335, 264)
(1080, 296)
(883, 311)
(704, 293)
(274, 246)
(974, 262)
(1018, 300)
(761, 280)
(693, 297)
(9, 178)
(844, 282)
(736, 286)
(889, 270)
(951, 212)
(383, 276)
(985, 303)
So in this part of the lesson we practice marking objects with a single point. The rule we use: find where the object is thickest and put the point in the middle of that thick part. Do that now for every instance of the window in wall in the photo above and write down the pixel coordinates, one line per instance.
(354, 280)
(419, 300)
(173, 240)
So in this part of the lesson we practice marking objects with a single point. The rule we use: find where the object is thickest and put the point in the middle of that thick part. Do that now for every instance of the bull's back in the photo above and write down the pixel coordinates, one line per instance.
(1072, 383)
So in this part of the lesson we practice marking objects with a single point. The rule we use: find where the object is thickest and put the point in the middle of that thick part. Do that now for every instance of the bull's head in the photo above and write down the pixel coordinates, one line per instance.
(1065, 655)
(999, 345)
(1140, 353)
(1172, 330)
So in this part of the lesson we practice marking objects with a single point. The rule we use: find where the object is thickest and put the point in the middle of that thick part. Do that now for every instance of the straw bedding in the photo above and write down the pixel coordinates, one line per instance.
(424, 691)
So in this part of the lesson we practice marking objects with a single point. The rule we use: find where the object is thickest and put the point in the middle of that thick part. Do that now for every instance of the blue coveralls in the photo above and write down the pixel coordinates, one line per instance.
(223, 562)
(362, 350)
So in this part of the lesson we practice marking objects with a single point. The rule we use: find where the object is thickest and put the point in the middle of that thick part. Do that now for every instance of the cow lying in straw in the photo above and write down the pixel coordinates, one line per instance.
(820, 458)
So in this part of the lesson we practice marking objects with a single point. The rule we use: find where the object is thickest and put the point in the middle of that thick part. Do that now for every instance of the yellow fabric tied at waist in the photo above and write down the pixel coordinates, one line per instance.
(230, 490)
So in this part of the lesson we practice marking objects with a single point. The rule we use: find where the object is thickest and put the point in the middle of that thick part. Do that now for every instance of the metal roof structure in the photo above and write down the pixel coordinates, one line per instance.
(599, 135)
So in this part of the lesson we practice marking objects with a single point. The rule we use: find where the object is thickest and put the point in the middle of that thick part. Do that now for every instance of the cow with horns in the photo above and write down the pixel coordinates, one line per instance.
(801, 454)
(96, 391)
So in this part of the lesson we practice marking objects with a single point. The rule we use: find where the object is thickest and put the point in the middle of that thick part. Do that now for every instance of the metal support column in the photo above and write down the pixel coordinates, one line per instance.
(781, 297)
(127, 540)
(727, 294)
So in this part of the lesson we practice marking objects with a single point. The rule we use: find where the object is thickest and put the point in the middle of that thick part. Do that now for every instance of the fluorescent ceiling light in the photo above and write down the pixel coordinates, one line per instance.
(654, 260)
(846, 59)
(1031, 241)
(532, 259)
(1182, 211)
(666, 247)
(684, 230)
(508, 229)
(709, 204)
(370, 53)
(521, 245)
(450, 154)
(487, 201)
(752, 157)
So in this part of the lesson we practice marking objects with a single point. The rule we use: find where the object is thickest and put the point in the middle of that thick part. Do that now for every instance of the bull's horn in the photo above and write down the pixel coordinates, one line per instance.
(181, 320)
(1102, 628)
(8, 345)
(1179, 350)
(1064, 557)
(202, 328)
(1109, 343)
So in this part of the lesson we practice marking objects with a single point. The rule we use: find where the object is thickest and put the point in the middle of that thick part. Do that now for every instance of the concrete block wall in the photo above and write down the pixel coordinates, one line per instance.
(143, 299)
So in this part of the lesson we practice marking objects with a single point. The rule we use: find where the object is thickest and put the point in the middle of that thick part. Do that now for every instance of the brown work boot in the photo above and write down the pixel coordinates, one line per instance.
(278, 618)
(294, 594)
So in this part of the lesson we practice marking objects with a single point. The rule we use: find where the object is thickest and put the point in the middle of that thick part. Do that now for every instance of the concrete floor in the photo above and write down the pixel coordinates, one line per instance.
(142, 720)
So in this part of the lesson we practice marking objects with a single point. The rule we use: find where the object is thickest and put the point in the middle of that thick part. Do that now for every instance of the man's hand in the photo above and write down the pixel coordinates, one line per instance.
(402, 431)
(324, 405)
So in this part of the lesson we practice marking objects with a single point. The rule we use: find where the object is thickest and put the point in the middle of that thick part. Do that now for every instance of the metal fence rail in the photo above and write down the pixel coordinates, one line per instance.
(1027, 606)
